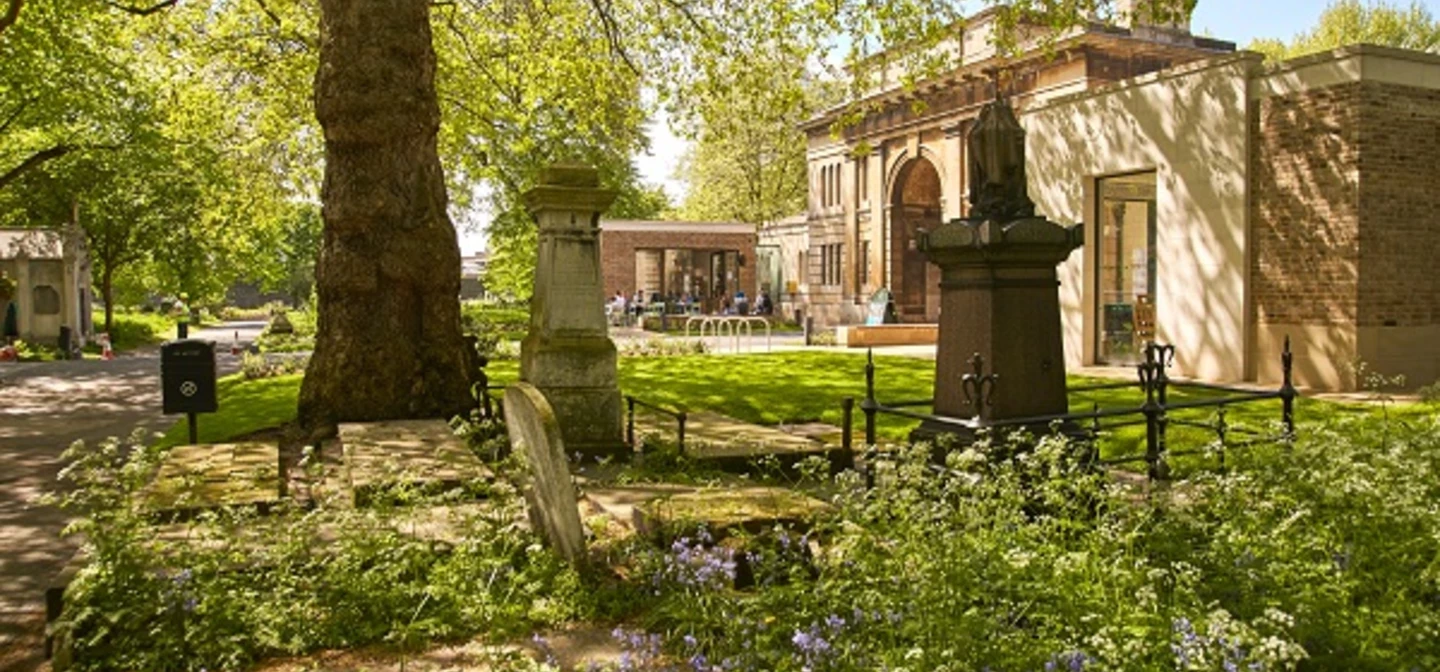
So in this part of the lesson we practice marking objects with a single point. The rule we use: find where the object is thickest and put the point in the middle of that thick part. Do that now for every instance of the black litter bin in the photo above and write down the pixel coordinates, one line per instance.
(187, 376)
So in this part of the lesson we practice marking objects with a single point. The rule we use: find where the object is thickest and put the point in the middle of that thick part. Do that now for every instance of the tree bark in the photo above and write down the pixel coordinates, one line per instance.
(106, 292)
(388, 343)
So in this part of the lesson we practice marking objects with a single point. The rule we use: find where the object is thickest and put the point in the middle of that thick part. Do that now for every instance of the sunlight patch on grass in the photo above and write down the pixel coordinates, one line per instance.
(246, 406)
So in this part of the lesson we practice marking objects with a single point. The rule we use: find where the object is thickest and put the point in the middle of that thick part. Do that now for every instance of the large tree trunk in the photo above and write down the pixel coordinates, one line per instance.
(389, 343)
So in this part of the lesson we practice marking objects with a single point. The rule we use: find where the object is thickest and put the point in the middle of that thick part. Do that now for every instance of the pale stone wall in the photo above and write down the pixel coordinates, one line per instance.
(1188, 124)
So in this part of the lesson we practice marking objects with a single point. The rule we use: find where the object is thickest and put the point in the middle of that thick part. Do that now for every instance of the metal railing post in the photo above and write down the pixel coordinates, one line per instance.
(680, 436)
(1152, 375)
(1152, 412)
(630, 421)
(845, 459)
(869, 468)
(1287, 390)
(868, 406)
(1094, 456)
(1163, 419)
(1220, 429)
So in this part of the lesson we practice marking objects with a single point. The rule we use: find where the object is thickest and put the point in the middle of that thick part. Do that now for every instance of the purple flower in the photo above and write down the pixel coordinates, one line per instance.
(690, 641)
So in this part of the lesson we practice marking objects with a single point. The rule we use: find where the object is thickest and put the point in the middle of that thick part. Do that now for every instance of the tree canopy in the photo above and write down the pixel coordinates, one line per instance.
(1347, 22)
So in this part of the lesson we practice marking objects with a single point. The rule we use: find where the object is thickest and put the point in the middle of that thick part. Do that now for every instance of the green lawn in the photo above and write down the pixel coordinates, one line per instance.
(246, 406)
(797, 387)
(133, 330)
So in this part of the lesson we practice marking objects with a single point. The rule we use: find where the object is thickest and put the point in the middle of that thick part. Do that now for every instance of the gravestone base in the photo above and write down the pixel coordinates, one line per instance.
(931, 431)
(578, 377)
(591, 419)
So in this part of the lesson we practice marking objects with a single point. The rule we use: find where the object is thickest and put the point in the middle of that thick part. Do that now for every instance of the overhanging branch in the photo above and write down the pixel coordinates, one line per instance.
(42, 156)
(11, 15)
(143, 11)
(34, 160)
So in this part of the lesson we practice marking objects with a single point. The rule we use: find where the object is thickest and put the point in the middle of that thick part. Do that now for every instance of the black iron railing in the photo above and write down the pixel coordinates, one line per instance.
(630, 404)
(1154, 413)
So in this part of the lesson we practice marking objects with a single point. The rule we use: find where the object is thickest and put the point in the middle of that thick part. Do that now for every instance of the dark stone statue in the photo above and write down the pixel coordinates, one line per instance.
(996, 147)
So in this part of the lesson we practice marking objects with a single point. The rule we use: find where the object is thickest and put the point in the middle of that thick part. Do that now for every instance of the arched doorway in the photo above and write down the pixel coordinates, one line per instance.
(914, 204)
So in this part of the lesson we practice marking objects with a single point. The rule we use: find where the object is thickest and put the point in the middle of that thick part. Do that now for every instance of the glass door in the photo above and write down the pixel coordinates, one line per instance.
(1125, 267)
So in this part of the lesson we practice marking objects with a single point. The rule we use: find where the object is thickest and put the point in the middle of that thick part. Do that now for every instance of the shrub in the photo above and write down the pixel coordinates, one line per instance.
(662, 347)
(494, 327)
(264, 312)
(300, 339)
(1430, 394)
(238, 586)
(254, 365)
(1323, 551)
(130, 330)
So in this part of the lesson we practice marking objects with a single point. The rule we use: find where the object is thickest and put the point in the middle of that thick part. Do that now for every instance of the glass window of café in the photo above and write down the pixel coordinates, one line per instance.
(689, 280)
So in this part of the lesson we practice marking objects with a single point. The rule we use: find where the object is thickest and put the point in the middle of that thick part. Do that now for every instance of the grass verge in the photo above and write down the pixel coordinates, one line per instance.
(796, 387)
(246, 406)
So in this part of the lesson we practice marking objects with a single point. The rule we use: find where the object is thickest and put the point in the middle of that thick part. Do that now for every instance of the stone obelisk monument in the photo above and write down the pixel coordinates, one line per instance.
(568, 354)
(999, 354)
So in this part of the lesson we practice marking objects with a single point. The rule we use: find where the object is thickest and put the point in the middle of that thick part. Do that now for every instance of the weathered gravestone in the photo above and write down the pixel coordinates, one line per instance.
(568, 353)
(549, 495)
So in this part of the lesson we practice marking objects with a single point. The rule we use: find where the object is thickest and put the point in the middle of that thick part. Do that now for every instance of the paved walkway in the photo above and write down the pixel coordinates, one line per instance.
(47, 406)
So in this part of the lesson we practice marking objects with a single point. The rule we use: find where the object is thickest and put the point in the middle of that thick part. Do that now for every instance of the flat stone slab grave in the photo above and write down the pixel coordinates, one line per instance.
(208, 476)
(730, 442)
(751, 509)
(381, 455)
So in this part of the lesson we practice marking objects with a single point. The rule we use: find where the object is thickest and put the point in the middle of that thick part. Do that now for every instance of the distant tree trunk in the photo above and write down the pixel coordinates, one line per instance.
(107, 284)
(389, 343)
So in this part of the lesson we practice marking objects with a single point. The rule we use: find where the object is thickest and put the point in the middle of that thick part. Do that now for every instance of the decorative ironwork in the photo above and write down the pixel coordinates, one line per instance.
(1161, 354)
(979, 386)
(1156, 409)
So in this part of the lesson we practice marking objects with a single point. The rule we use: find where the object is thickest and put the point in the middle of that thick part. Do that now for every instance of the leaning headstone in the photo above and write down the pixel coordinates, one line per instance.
(549, 495)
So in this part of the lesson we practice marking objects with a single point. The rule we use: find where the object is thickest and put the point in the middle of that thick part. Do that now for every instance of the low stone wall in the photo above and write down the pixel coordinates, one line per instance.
(860, 336)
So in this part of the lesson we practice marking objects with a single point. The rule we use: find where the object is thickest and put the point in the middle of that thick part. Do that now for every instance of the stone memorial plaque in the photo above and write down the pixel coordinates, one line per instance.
(549, 495)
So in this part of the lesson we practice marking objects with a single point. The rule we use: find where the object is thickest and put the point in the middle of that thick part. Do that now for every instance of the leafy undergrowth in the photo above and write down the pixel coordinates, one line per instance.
(1316, 554)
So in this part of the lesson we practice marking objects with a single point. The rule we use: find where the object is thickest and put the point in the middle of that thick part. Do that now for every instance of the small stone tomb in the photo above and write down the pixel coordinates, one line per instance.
(394, 453)
(752, 510)
(549, 493)
(207, 476)
(733, 445)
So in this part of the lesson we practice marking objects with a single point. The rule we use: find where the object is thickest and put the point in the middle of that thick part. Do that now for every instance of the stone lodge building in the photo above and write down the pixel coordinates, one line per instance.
(52, 275)
(1227, 203)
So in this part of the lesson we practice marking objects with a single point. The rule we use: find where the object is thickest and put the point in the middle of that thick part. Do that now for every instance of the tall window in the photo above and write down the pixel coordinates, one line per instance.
(862, 266)
(862, 178)
(1125, 267)
(830, 185)
(830, 259)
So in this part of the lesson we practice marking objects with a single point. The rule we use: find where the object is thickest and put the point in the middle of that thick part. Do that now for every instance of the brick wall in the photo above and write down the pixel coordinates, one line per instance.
(1304, 208)
(1399, 206)
(617, 254)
